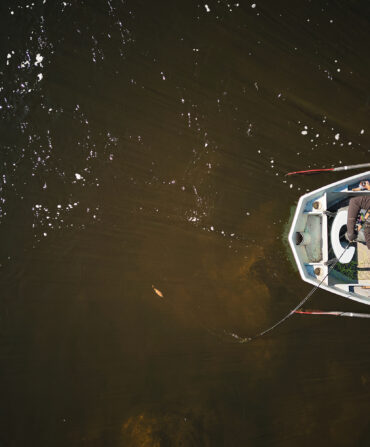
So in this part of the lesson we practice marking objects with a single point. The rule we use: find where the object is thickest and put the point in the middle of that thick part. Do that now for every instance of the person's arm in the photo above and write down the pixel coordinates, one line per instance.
(353, 210)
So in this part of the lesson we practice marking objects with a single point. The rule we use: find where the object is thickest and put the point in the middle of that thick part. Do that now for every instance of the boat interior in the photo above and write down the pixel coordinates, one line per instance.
(352, 272)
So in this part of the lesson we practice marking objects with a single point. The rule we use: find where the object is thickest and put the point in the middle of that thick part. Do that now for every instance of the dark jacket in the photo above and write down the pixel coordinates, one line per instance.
(355, 205)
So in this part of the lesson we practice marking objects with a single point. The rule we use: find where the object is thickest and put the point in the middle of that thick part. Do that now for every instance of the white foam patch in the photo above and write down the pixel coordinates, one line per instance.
(39, 59)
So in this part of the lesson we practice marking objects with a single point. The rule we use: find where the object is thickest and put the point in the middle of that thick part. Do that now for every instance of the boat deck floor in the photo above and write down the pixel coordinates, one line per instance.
(363, 291)
(363, 260)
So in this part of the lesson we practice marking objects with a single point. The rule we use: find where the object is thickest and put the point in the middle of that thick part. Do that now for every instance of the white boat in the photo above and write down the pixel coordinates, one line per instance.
(316, 239)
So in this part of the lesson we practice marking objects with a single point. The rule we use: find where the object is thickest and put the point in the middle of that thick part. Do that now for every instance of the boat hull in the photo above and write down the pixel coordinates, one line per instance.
(313, 240)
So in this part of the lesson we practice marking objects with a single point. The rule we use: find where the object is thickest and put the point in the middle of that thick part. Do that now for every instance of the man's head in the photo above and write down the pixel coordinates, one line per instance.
(365, 184)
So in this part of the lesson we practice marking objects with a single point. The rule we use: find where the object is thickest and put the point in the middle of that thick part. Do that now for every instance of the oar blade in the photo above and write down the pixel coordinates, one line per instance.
(338, 168)
(309, 171)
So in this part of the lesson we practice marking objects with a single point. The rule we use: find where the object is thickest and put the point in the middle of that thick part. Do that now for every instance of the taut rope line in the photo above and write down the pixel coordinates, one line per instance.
(300, 304)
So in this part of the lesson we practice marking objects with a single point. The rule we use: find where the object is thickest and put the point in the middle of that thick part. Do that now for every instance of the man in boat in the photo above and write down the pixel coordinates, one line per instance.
(363, 186)
(356, 204)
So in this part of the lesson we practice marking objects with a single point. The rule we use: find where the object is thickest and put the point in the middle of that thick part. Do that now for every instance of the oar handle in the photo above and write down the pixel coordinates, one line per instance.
(332, 313)
(346, 168)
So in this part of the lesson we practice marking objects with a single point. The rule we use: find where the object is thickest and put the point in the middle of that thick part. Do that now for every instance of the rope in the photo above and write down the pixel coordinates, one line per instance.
(300, 304)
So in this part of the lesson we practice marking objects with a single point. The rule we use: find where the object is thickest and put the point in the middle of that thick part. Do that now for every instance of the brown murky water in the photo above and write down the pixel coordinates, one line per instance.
(142, 214)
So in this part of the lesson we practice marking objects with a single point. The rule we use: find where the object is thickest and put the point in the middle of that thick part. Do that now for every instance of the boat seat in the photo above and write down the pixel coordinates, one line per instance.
(340, 220)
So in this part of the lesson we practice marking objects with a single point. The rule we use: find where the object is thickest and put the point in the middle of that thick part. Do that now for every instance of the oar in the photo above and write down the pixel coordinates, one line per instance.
(337, 169)
(334, 313)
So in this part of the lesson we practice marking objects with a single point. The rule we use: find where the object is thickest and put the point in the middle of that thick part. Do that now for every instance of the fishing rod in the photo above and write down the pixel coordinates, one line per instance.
(300, 304)
(337, 169)
(334, 313)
